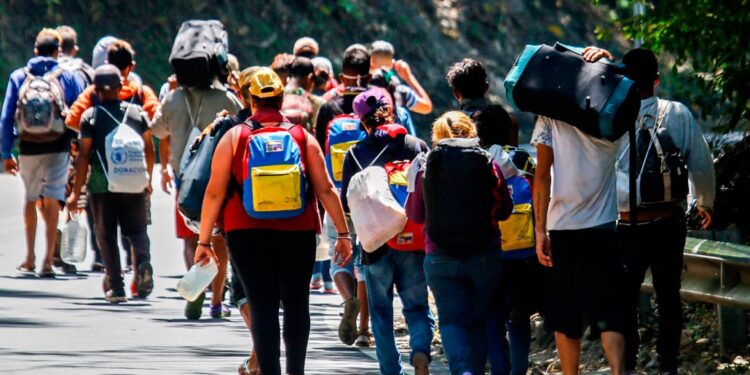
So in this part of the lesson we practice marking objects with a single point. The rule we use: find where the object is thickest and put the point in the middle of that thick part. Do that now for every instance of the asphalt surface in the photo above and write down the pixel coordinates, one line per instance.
(64, 326)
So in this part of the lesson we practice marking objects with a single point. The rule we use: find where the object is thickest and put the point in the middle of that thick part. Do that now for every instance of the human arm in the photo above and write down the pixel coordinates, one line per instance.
(150, 101)
(216, 192)
(592, 54)
(325, 115)
(82, 103)
(505, 201)
(347, 171)
(542, 188)
(81, 165)
(160, 121)
(415, 209)
(699, 163)
(150, 157)
(423, 103)
(328, 196)
(8, 124)
(165, 152)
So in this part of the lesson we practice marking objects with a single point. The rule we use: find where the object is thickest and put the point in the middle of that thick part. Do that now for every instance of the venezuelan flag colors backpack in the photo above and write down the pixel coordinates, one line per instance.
(517, 232)
(274, 183)
(344, 131)
(412, 237)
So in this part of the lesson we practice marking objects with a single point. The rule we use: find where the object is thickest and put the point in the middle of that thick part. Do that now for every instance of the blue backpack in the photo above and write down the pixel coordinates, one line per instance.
(274, 177)
(344, 131)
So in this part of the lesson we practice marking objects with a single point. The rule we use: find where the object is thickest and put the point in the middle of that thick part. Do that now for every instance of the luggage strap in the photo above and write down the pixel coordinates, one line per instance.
(351, 151)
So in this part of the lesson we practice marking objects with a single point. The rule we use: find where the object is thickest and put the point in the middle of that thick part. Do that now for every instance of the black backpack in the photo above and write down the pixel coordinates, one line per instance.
(556, 82)
(662, 169)
(195, 167)
(460, 199)
(199, 53)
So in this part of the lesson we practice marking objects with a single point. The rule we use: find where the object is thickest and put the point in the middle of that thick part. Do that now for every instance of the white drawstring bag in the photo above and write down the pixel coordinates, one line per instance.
(376, 215)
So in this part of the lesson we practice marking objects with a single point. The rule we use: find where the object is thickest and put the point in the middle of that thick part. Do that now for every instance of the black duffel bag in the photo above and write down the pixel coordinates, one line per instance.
(199, 53)
(556, 82)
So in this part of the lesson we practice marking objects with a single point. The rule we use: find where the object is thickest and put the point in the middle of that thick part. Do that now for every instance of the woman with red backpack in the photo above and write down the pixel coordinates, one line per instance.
(399, 261)
(267, 176)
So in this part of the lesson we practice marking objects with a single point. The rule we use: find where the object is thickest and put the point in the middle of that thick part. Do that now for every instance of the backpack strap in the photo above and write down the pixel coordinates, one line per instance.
(351, 151)
(193, 120)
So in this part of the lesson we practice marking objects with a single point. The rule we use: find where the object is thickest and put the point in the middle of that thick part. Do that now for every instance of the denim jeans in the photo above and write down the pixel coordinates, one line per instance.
(462, 288)
(404, 270)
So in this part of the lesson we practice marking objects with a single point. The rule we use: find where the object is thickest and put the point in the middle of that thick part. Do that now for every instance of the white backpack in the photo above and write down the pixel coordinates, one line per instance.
(126, 158)
(376, 215)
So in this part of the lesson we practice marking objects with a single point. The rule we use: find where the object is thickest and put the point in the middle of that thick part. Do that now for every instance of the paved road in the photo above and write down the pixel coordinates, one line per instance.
(64, 326)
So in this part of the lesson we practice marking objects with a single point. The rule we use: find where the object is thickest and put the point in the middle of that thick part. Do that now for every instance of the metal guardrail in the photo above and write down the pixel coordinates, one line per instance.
(718, 273)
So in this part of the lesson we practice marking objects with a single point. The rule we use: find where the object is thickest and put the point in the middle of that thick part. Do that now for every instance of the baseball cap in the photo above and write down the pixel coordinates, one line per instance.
(305, 45)
(368, 101)
(107, 76)
(265, 83)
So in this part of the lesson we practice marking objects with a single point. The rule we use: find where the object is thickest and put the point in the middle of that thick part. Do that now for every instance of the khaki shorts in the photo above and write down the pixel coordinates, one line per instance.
(44, 175)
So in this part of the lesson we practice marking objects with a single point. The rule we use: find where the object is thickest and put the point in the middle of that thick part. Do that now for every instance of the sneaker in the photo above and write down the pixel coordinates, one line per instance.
(363, 340)
(193, 310)
(348, 325)
(97, 267)
(69, 269)
(115, 296)
(421, 363)
(220, 311)
(145, 279)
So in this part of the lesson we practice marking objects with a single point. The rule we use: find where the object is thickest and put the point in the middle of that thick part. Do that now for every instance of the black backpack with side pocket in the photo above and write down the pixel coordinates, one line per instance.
(460, 197)
(199, 53)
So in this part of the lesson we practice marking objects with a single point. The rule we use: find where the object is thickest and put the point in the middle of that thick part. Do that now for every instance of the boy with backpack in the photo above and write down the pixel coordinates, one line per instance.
(194, 104)
(517, 295)
(116, 144)
(68, 52)
(670, 147)
(409, 94)
(399, 262)
(36, 102)
(300, 105)
(338, 130)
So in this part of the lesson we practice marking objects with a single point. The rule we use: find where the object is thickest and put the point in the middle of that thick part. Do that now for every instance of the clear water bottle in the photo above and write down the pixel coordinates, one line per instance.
(73, 241)
(196, 280)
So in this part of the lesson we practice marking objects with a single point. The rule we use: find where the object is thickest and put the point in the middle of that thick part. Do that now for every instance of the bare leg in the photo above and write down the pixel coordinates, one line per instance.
(50, 215)
(613, 344)
(364, 311)
(570, 351)
(345, 284)
(245, 312)
(217, 285)
(29, 220)
(191, 243)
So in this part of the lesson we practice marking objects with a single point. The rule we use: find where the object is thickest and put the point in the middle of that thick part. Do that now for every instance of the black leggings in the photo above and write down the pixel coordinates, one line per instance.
(276, 266)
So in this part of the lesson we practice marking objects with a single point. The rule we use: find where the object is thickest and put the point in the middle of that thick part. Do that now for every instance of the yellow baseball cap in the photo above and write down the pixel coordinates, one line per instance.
(265, 83)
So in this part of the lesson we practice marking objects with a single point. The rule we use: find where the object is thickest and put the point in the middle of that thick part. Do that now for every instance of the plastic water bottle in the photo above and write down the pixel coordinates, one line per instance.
(73, 242)
(196, 280)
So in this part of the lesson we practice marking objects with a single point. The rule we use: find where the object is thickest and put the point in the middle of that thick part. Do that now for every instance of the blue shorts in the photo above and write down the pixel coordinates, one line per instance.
(354, 267)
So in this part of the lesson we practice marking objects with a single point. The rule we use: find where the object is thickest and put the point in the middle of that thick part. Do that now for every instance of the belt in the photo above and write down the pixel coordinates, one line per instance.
(646, 215)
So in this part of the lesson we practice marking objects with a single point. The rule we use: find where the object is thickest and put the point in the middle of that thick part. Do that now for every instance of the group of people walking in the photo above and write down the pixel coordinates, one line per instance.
(309, 157)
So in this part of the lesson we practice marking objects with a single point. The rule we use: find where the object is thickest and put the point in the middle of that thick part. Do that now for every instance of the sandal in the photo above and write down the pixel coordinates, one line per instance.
(246, 368)
(24, 268)
(48, 273)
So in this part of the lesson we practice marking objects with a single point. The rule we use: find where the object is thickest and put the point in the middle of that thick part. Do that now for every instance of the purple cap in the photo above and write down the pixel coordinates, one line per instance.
(368, 101)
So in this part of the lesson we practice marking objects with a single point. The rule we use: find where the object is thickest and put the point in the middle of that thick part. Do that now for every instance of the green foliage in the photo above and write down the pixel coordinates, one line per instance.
(709, 43)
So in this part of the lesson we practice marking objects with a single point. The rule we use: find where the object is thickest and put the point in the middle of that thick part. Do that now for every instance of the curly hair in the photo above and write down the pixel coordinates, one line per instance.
(468, 77)
(378, 117)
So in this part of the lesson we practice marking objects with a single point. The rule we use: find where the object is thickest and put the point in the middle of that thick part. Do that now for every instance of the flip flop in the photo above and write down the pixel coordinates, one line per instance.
(246, 370)
(24, 269)
(48, 273)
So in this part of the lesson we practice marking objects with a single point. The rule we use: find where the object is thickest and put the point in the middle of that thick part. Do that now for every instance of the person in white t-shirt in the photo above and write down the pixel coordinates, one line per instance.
(575, 204)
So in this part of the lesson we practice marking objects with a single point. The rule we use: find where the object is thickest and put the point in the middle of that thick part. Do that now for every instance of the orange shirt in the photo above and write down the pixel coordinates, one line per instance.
(150, 102)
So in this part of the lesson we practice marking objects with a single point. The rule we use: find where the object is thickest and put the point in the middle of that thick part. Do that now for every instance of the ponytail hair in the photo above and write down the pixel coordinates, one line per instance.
(453, 124)
(381, 116)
